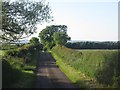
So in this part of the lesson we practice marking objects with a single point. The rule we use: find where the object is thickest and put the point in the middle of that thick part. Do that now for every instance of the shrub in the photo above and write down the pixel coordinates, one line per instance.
(16, 60)
(11, 52)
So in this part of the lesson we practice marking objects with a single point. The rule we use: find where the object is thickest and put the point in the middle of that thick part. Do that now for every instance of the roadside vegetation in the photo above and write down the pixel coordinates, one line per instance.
(19, 20)
(19, 65)
(96, 68)
(92, 68)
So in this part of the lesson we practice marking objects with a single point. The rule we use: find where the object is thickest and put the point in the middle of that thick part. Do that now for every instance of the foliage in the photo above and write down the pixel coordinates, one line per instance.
(16, 62)
(9, 46)
(49, 39)
(101, 65)
(19, 18)
(92, 45)
(74, 75)
(60, 38)
(34, 41)
(25, 50)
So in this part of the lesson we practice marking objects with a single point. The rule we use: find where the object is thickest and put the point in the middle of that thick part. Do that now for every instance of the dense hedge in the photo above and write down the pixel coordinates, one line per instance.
(16, 60)
(24, 50)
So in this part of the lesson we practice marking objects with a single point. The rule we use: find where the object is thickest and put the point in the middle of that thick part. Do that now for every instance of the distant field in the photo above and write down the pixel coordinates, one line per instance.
(97, 50)
(98, 64)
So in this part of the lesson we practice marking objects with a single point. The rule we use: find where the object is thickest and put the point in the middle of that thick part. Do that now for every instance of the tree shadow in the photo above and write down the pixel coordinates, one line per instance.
(47, 71)
(9, 75)
(14, 78)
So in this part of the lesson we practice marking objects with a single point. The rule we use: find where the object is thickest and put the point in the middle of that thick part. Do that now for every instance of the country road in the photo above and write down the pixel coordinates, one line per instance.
(49, 75)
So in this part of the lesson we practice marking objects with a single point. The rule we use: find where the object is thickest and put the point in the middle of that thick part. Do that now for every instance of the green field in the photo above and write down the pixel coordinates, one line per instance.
(98, 67)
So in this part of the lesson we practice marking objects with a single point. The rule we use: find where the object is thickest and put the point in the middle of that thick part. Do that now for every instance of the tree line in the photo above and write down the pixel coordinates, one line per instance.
(93, 45)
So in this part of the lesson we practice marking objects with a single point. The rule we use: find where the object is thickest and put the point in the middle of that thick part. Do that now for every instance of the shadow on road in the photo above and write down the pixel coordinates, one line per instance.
(49, 75)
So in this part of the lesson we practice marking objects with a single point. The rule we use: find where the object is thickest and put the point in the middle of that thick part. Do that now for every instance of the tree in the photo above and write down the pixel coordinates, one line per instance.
(47, 34)
(19, 18)
(34, 41)
(36, 45)
(60, 38)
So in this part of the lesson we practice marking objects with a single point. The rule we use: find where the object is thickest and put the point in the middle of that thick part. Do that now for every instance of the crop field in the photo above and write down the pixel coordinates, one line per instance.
(101, 66)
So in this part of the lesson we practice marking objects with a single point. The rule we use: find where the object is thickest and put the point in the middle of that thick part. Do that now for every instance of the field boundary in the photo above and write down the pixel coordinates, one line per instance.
(79, 79)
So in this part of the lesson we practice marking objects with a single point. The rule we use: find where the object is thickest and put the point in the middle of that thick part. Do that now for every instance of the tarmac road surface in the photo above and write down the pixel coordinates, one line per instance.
(49, 75)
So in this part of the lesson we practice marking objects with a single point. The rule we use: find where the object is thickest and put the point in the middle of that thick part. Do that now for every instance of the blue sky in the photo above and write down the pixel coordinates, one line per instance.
(91, 20)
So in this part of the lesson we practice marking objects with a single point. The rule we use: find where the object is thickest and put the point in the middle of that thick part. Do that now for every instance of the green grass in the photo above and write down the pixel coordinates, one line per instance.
(99, 67)
(28, 76)
(75, 76)
(17, 73)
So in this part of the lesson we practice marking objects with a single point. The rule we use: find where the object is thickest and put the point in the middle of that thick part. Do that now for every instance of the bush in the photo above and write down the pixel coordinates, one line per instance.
(16, 60)
(11, 52)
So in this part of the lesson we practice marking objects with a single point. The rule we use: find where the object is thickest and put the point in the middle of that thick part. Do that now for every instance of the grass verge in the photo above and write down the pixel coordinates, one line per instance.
(28, 74)
(17, 74)
(79, 79)
(94, 69)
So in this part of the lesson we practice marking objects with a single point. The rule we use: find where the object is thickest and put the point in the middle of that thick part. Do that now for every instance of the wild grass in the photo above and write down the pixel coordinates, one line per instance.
(16, 72)
(28, 76)
(99, 67)
(75, 76)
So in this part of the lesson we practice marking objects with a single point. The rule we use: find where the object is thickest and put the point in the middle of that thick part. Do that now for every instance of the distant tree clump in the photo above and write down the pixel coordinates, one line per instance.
(34, 41)
(19, 18)
(93, 45)
(53, 35)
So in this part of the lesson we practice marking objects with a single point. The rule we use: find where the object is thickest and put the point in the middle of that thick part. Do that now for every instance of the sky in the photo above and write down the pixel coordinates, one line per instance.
(87, 20)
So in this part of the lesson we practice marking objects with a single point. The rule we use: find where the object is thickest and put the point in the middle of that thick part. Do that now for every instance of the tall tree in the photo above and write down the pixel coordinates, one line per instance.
(47, 34)
(61, 38)
(19, 18)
